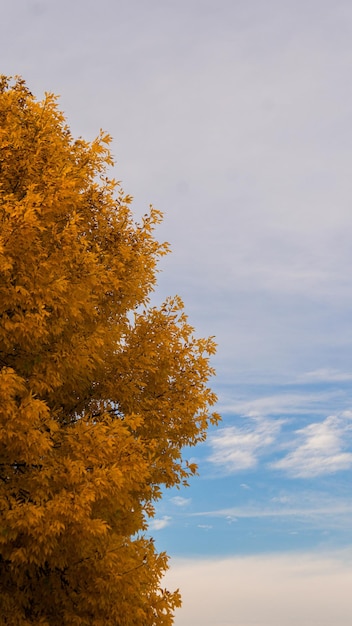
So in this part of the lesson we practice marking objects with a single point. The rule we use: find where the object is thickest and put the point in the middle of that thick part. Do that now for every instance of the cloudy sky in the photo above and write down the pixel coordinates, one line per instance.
(234, 118)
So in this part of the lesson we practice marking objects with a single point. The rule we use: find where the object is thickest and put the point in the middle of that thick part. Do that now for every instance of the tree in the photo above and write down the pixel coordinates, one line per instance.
(99, 391)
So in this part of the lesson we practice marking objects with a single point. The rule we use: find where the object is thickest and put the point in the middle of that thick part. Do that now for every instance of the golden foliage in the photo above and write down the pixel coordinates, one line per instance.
(99, 392)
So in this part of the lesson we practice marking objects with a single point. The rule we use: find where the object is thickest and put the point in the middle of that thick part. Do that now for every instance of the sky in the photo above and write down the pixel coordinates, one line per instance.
(233, 117)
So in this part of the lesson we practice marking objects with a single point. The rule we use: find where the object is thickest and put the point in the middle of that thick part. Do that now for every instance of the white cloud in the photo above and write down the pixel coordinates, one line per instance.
(326, 375)
(237, 449)
(281, 499)
(280, 404)
(264, 590)
(312, 510)
(179, 501)
(159, 524)
(320, 448)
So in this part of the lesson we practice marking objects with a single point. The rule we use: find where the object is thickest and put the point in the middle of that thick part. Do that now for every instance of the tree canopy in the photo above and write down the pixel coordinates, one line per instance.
(99, 390)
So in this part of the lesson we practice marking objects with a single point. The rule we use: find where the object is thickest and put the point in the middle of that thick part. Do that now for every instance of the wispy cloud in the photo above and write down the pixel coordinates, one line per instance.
(179, 501)
(159, 524)
(320, 448)
(328, 513)
(281, 404)
(317, 449)
(326, 375)
(236, 448)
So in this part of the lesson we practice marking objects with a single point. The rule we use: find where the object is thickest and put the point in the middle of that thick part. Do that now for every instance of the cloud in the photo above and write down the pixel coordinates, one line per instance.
(179, 501)
(281, 499)
(239, 448)
(326, 375)
(159, 524)
(315, 511)
(281, 404)
(264, 590)
(320, 448)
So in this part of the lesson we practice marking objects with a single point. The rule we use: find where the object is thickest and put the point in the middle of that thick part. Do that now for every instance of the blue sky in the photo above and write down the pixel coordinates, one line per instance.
(234, 118)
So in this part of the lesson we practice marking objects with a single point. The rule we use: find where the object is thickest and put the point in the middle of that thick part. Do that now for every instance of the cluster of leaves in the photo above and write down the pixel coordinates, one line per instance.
(99, 392)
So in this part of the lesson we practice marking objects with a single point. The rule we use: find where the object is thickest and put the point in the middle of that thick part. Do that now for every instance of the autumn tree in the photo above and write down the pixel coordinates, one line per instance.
(99, 391)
